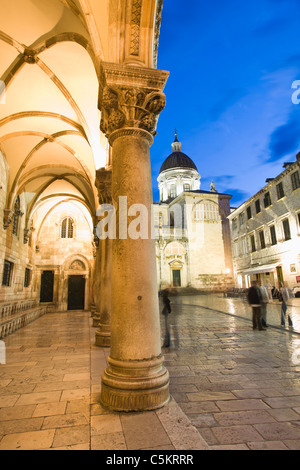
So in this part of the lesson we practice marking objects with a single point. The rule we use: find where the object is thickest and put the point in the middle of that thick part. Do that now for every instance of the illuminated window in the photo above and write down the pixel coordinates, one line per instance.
(262, 239)
(7, 273)
(286, 229)
(252, 240)
(273, 235)
(267, 199)
(257, 206)
(27, 277)
(280, 191)
(173, 190)
(175, 248)
(67, 228)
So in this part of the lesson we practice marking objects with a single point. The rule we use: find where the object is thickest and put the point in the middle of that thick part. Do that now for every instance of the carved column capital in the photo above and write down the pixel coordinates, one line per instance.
(7, 218)
(103, 184)
(26, 236)
(130, 97)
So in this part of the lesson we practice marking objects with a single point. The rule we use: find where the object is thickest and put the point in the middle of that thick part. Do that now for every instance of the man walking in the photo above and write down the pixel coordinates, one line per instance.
(255, 300)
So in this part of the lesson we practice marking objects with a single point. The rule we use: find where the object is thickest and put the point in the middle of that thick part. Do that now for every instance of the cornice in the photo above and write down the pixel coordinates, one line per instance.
(133, 76)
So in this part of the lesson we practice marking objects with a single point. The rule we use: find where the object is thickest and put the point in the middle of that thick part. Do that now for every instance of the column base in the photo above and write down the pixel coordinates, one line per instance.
(135, 385)
(93, 310)
(102, 337)
(96, 320)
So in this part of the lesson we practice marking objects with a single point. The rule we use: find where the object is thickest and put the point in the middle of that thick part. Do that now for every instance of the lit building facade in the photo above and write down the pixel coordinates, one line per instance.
(265, 232)
(193, 248)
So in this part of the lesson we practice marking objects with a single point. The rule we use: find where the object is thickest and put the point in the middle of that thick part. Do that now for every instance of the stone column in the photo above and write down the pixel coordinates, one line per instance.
(102, 338)
(135, 379)
(96, 312)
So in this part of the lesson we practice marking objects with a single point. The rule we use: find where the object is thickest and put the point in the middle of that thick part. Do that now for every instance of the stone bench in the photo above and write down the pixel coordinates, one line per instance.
(16, 315)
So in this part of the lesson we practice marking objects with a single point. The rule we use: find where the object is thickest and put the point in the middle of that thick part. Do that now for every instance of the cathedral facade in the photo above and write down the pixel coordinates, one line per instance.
(193, 246)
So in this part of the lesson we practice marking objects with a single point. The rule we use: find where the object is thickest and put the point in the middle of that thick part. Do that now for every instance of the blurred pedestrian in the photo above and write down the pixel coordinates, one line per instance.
(166, 311)
(264, 303)
(255, 300)
(285, 294)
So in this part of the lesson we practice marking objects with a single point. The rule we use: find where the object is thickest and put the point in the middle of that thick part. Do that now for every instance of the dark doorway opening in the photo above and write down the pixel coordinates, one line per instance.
(176, 278)
(47, 283)
(76, 291)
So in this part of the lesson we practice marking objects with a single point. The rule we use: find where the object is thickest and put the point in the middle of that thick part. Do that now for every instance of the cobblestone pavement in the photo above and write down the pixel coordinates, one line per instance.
(232, 387)
(240, 388)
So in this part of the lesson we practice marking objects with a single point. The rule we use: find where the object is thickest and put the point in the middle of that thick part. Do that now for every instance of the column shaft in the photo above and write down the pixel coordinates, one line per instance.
(136, 378)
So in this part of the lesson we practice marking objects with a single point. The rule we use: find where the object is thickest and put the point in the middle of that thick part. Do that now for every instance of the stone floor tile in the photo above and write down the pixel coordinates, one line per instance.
(22, 425)
(210, 396)
(292, 444)
(236, 434)
(111, 441)
(240, 405)
(10, 400)
(283, 402)
(16, 412)
(76, 394)
(285, 414)
(174, 422)
(37, 440)
(143, 431)
(230, 447)
(36, 398)
(77, 377)
(71, 436)
(73, 447)
(246, 393)
(278, 431)
(49, 409)
(63, 421)
(267, 445)
(105, 424)
(243, 417)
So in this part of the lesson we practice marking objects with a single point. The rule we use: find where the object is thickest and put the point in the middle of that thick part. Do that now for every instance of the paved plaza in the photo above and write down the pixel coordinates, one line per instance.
(232, 387)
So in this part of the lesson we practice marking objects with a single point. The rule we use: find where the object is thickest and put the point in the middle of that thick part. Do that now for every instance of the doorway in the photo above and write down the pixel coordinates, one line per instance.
(47, 283)
(76, 292)
(176, 277)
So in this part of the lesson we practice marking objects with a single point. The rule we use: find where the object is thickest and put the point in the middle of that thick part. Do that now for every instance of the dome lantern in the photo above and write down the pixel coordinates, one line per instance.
(178, 173)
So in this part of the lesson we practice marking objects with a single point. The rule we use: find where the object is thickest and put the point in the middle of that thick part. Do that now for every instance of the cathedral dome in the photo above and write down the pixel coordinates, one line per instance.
(177, 159)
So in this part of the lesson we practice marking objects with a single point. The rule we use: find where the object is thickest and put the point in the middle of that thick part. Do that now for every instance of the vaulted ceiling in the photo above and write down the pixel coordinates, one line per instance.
(51, 52)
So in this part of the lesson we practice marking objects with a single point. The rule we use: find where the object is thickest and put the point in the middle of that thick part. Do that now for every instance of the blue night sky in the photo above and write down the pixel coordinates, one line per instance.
(232, 65)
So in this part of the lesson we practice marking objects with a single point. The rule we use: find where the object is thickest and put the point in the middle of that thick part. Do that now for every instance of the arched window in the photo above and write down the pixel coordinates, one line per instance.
(67, 228)
(207, 211)
(175, 248)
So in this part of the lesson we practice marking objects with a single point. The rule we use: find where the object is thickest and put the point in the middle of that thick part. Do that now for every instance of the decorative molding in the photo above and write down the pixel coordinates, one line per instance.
(77, 265)
(135, 27)
(159, 8)
(131, 131)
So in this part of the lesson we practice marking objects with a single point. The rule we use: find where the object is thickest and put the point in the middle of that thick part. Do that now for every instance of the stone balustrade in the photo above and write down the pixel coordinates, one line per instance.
(16, 315)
